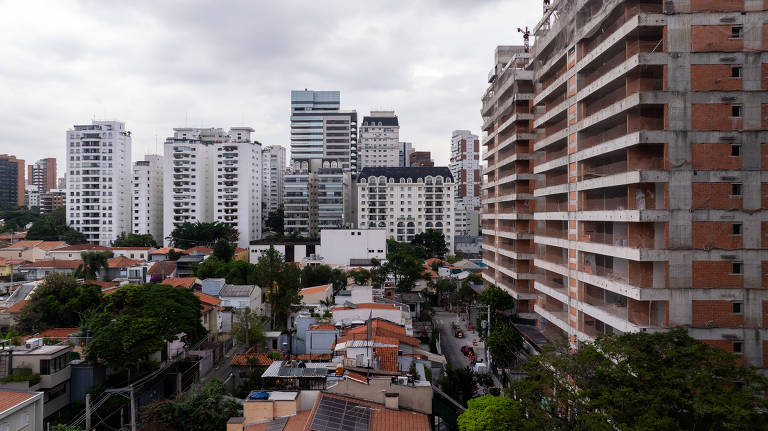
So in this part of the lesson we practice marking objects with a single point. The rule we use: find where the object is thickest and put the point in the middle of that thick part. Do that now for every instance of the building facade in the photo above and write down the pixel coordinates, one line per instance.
(465, 168)
(212, 175)
(650, 201)
(273, 177)
(379, 142)
(320, 130)
(420, 159)
(99, 180)
(52, 200)
(406, 148)
(407, 201)
(11, 180)
(147, 208)
(316, 196)
(42, 174)
(31, 196)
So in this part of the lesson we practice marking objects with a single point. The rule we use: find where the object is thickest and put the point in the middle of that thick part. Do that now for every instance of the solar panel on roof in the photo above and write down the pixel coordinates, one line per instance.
(334, 414)
(277, 424)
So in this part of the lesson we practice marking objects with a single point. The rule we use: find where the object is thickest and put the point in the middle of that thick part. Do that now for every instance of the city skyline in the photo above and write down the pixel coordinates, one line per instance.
(61, 74)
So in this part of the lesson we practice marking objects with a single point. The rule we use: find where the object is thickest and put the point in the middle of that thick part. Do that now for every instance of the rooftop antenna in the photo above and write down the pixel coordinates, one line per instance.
(526, 35)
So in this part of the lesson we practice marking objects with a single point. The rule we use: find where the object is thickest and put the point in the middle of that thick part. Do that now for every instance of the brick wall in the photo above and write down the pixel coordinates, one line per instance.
(715, 234)
(764, 234)
(713, 116)
(764, 155)
(726, 345)
(710, 77)
(764, 270)
(714, 38)
(714, 156)
(715, 275)
(717, 5)
(764, 195)
(719, 313)
(764, 66)
(715, 196)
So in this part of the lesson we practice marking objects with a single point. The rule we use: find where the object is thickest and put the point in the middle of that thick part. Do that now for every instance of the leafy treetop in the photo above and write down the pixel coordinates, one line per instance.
(134, 240)
(188, 235)
(60, 301)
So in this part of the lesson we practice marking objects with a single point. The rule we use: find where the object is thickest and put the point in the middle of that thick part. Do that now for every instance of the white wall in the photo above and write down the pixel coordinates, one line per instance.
(338, 246)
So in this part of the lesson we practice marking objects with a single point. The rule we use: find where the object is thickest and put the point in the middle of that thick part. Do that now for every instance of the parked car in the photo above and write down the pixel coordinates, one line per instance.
(466, 350)
(457, 332)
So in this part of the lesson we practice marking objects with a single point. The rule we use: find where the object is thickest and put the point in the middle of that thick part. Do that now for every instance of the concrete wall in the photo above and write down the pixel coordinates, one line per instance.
(338, 246)
(417, 398)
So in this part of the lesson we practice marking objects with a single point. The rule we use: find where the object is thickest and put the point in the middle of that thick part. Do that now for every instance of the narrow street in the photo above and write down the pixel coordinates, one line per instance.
(450, 345)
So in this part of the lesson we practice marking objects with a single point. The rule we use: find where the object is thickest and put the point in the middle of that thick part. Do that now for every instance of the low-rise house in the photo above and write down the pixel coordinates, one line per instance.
(186, 265)
(74, 252)
(236, 298)
(21, 410)
(41, 268)
(316, 294)
(31, 250)
(8, 266)
(162, 253)
(187, 282)
(38, 367)
(210, 307)
(212, 286)
(243, 363)
(199, 250)
(159, 271)
(354, 294)
(351, 314)
(12, 237)
(123, 268)
(139, 253)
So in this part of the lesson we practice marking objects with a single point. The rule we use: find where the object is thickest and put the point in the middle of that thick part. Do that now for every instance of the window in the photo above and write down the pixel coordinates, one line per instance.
(736, 71)
(737, 32)
(735, 150)
(736, 189)
(736, 229)
(738, 307)
(736, 111)
(737, 268)
(738, 347)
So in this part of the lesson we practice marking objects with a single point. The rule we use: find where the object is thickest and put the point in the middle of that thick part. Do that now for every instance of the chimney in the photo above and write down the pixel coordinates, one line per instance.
(392, 400)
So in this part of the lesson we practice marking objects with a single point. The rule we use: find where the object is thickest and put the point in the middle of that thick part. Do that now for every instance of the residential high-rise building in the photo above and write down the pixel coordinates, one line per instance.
(31, 196)
(296, 200)
(62, 182)
(320, 130)
(651, 194)
(420, 159)
(465, 168)
(379, 143)
(273, 177)
(42, 174)
(11, 180)
(406, 201)
(406, 148)
(508, 190)
(212, 175)
(99, 180)
(147, 208)
(316, 198)
(52, 200)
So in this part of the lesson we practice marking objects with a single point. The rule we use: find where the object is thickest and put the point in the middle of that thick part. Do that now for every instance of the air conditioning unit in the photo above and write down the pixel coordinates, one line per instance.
(33, 343)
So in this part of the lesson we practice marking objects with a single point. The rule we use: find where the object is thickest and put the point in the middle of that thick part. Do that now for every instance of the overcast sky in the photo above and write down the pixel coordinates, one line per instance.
(159, 64)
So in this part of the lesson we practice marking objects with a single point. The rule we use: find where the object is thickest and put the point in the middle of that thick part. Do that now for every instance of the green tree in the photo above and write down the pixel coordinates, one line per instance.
(499, 300)
(404, 263)
(93, 263)
(432, 242)
(15, 219)
(489, 413)
(175, 255)
(53, 227)
(642, 381)
(212, 267)
(60, 301)
(281, 281)
(188, 235)
(206, 410)
(459, 383)
(361, 276)
(134, 240)
(223, 250)
(504, 343)
(248, 328)
(63, 427)
(137, 320)
(276, 221)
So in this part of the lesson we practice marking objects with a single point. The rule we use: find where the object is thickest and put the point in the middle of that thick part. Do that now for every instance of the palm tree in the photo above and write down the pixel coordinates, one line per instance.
(93, 262)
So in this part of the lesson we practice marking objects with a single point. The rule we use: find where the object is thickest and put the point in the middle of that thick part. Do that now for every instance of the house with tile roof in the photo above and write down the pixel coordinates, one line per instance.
(159, 271)
(74, 252)
(162, 253)
(31, 250)
(123, 268)
(188, 282)
(138, 253)
(9, 265)
(21, 410)
(315, 294)
(39, 269)
(210, 309)
(349, 314)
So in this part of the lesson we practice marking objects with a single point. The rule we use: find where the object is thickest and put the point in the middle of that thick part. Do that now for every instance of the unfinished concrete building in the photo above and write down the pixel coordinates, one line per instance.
(652, 157)
(507, 197)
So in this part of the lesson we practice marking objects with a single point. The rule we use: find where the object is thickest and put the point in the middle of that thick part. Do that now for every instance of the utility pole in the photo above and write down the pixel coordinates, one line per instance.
(87, 412)
(133, 411)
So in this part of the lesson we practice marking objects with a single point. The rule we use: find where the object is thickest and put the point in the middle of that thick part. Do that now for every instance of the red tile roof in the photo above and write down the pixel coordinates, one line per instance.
(58, 332)
(432, 260)
(242, 359)
(207, 302)
(180, 281)
(83, 247)
(199, 250)
(356, 376)
(4, 261)
(51, 245)
(314, 289)
(11, 399)
(165, 267)
(13, 235)
(383, 328)
(322, 327)
(25, 244)
(321, 357)
(298, 422)
(383, 419)
(58, 264)
(122, 262)
(15, 308)
(165, 250)
(131, 248)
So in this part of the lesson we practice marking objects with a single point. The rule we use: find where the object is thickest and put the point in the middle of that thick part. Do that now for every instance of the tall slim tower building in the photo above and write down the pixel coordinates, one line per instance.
(147, 208)
(11, 180)
(320, 130)
(212, 175)
(651, 175)
(465, 168)
(99, 180)
(273, 177)
(42, 174)
(379, 142)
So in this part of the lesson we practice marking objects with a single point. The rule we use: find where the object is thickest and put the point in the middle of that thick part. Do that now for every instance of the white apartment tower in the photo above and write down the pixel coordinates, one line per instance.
(379, 142)
(147, 205)
(407, 201)
(273, 177)
(211, 175)
(465, 168)
(99, 180)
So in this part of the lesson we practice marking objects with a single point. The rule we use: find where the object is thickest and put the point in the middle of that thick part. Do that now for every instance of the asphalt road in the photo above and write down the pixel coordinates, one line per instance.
(450, 345)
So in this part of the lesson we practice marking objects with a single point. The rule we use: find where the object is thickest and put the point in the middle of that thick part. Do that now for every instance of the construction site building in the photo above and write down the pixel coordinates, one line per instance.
(651, 172)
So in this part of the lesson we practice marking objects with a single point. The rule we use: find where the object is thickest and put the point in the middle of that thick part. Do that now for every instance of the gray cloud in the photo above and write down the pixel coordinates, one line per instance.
(163, 64)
